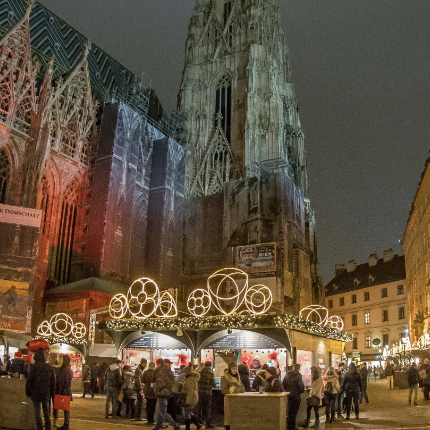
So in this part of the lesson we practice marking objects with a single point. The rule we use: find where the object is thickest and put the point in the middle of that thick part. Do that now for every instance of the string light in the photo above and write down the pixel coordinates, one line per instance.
(222, 322)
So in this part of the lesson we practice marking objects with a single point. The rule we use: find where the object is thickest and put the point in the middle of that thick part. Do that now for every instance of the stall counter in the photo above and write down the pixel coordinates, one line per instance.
(16, 411)
(244, 411)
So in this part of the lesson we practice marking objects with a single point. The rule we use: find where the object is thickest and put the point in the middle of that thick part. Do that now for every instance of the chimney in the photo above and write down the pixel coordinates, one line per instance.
(388, 255)
(373, 259)
(351, 266)
(339, 269)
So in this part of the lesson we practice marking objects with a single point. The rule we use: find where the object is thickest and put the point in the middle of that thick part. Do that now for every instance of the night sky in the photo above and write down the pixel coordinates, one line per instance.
(361, 73)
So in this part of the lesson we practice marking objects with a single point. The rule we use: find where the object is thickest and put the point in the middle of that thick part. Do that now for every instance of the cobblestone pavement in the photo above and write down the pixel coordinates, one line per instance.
(386, 410)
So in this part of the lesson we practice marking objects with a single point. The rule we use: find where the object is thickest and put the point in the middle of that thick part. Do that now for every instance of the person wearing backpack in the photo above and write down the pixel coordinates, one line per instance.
(413, 380)
(331, 387)
(272, 384)
(352, 387)
(190, 390)
(163, 380)
(113, 388)
(128, 391)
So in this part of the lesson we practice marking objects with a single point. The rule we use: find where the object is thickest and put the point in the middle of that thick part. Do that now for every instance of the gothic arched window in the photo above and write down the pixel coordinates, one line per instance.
(66, 234)
(223, 104)
(4, 174)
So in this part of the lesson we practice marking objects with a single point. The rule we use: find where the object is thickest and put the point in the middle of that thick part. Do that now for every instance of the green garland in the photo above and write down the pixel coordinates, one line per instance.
(68, 340)
(223, 322)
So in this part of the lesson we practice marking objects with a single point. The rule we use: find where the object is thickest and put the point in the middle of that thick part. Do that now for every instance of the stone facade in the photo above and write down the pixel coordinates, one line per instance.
(110, 182)
(372, 300)
(246, 172)
(416, 243)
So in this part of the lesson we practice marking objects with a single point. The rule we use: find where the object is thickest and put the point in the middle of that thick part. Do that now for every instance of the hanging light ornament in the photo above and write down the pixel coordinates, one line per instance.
(199, 302)
(166, 307)
(320, 313)
(258, 299)
(118, 306)
(143, 298)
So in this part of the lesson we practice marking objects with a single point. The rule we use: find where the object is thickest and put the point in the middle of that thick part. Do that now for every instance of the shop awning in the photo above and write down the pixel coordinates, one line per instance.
(89, 284)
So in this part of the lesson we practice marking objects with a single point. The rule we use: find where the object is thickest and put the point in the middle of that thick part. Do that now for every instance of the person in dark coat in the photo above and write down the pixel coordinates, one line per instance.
(113, 387)
(243, 370)
(7, 363)
(149, 393)
(102, 378)
(259, 379)
(138, 374)
(205, 385)
(95, 370)
(413, 380)
(340, 372)
(63, 387)
(40, 387)
(363, 376)
(352, 387)
(86, 379)
(293, 384)
(272, 384)
(18, 367)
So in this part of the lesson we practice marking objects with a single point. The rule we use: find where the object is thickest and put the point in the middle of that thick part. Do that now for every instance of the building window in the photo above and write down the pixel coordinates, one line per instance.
(367, 341)
(63, 253)
(223, 105)
(4, 174)
(330, 303)
(366, 296)
(384, 292)
(355, 343)
(367, 318)
(401, 313)
(354, 319)
(354, 298)
(385, 315)
(399, 289)
(385, 340)
(227, 11)
(342, 301)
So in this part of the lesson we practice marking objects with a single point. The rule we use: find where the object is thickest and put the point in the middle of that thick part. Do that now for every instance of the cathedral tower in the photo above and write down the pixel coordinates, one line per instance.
(246, 177)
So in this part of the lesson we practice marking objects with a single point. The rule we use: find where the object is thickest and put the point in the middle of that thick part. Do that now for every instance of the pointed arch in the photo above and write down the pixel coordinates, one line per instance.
(17, 77)
(223, 103)
(70, 113)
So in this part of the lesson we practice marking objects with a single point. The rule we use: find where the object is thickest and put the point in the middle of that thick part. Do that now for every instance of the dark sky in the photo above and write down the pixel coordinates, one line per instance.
(361, 72)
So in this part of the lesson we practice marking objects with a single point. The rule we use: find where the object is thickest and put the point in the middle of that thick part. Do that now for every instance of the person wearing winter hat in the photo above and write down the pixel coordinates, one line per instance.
(230, 384)
(272, 382)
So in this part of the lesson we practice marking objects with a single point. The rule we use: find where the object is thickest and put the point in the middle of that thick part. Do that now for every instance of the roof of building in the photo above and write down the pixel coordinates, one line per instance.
(365, 276)
(110, 80)
(89, 284)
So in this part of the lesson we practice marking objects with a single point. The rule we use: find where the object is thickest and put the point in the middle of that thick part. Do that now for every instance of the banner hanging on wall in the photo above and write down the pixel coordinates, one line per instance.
(15, 314)
(257, 260)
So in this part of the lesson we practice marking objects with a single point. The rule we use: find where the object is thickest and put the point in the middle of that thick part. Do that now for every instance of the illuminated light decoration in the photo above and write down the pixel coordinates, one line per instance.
(245, 312)
(44, 329)
(143, 298)
(118, 306)
(166, 307)
(258, 299)
(227, 289)
(314, 311)
(79, 331)
(61, 325)
(335, 322)
(222, 322)
(199, 302)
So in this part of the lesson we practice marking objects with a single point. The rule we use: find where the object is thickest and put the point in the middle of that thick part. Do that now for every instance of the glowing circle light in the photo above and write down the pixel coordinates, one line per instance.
(258, 299)
(335, 322)
(317, 312)
(199, 302)
(227, 289)
(44, 329)
(166, 306)
(79, 331)
(118, 306)
(143, 298)
(61, 325)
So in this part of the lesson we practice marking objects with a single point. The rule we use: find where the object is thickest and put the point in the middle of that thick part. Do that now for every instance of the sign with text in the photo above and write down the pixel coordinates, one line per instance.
(257, 260)
(21, 216)
(76, 309)
(14, 306)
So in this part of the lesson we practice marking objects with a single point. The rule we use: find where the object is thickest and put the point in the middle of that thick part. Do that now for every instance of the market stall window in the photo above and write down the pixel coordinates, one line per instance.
(305, 359)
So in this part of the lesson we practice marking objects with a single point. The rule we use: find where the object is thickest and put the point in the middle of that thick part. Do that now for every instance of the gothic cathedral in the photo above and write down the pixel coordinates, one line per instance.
(246, 180)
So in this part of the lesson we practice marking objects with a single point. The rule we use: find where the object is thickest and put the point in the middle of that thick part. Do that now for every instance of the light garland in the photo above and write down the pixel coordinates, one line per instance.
(52, 340)
(222, 322)
(61, 326)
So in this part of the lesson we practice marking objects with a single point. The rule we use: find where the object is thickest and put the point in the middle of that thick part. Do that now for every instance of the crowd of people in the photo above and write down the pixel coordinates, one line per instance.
(186, 398)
